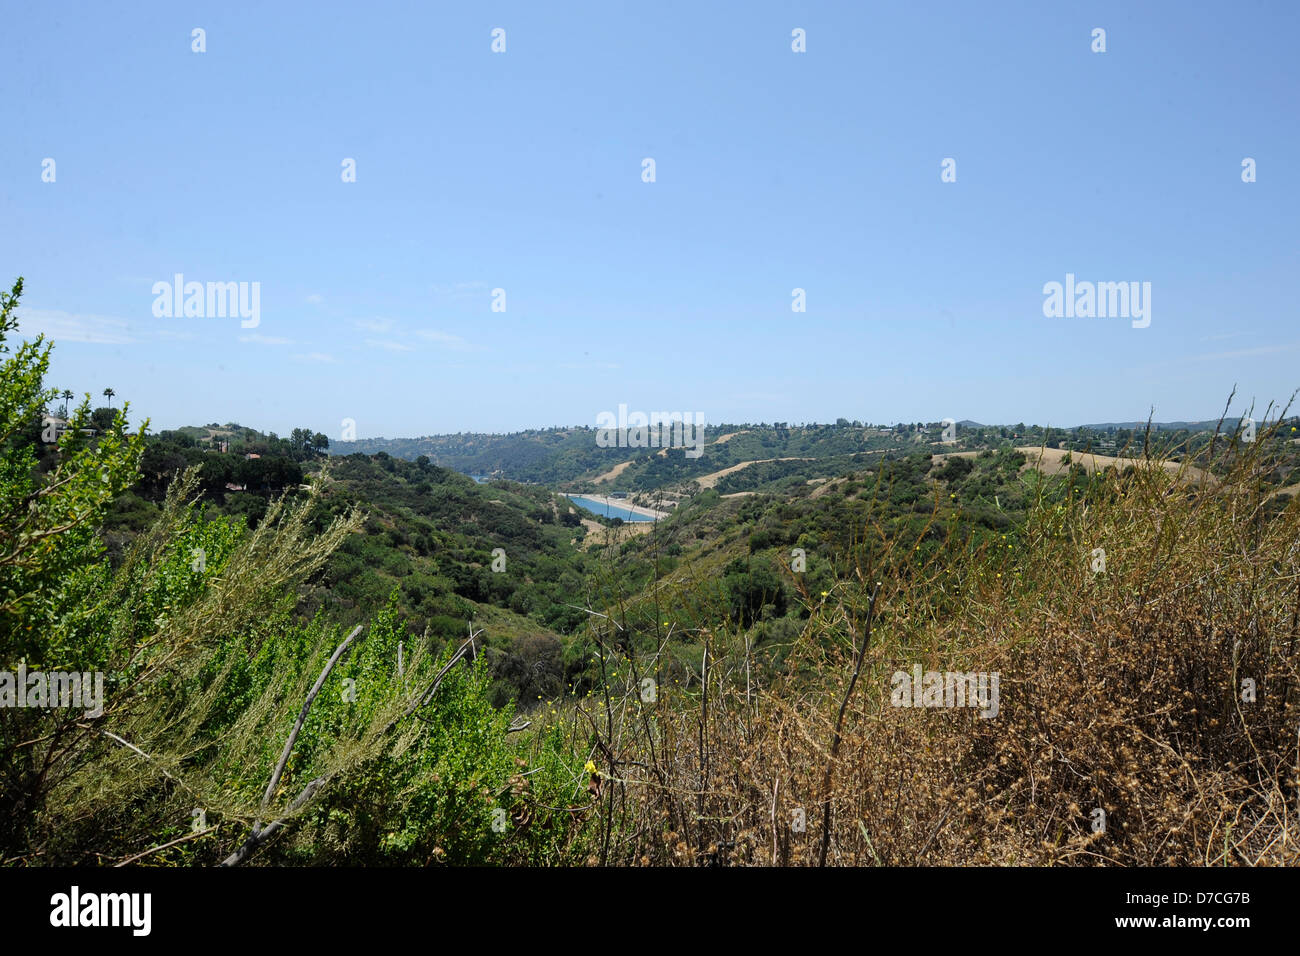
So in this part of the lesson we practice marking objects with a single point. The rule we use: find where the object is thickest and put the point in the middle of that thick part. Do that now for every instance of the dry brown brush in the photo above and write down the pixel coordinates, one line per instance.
(1148, 711)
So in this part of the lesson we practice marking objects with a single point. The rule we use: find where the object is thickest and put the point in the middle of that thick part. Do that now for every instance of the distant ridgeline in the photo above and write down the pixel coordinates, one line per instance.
(572, 457)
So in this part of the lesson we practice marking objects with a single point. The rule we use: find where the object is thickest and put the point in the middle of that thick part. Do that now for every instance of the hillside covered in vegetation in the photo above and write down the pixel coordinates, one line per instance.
(321, 655)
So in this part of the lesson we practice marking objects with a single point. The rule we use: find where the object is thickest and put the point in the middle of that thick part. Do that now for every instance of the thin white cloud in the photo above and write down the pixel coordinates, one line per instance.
(389, 344)
(374, 325)
(1243, 353)
(1215, 357)
(260, 339)
(459, 290)
(314, 357)
(315, 299)
(444, 339)
(74, 327)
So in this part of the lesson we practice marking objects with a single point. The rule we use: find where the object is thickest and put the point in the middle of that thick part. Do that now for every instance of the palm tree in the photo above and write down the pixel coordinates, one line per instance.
(66, 396)
(108, 394)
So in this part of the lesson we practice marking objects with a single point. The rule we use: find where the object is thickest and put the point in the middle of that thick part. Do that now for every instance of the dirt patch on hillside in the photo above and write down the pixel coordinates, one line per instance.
(599, 535)
(940, 458)
(613, 472)
(1051, 461)
(1290, 491)
(708, 481)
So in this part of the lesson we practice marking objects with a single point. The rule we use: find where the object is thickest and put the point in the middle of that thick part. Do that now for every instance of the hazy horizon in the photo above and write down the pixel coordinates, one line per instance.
(711, 427)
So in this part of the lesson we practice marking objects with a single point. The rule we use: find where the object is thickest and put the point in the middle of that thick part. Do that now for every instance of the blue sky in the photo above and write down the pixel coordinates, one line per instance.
(774, 170)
